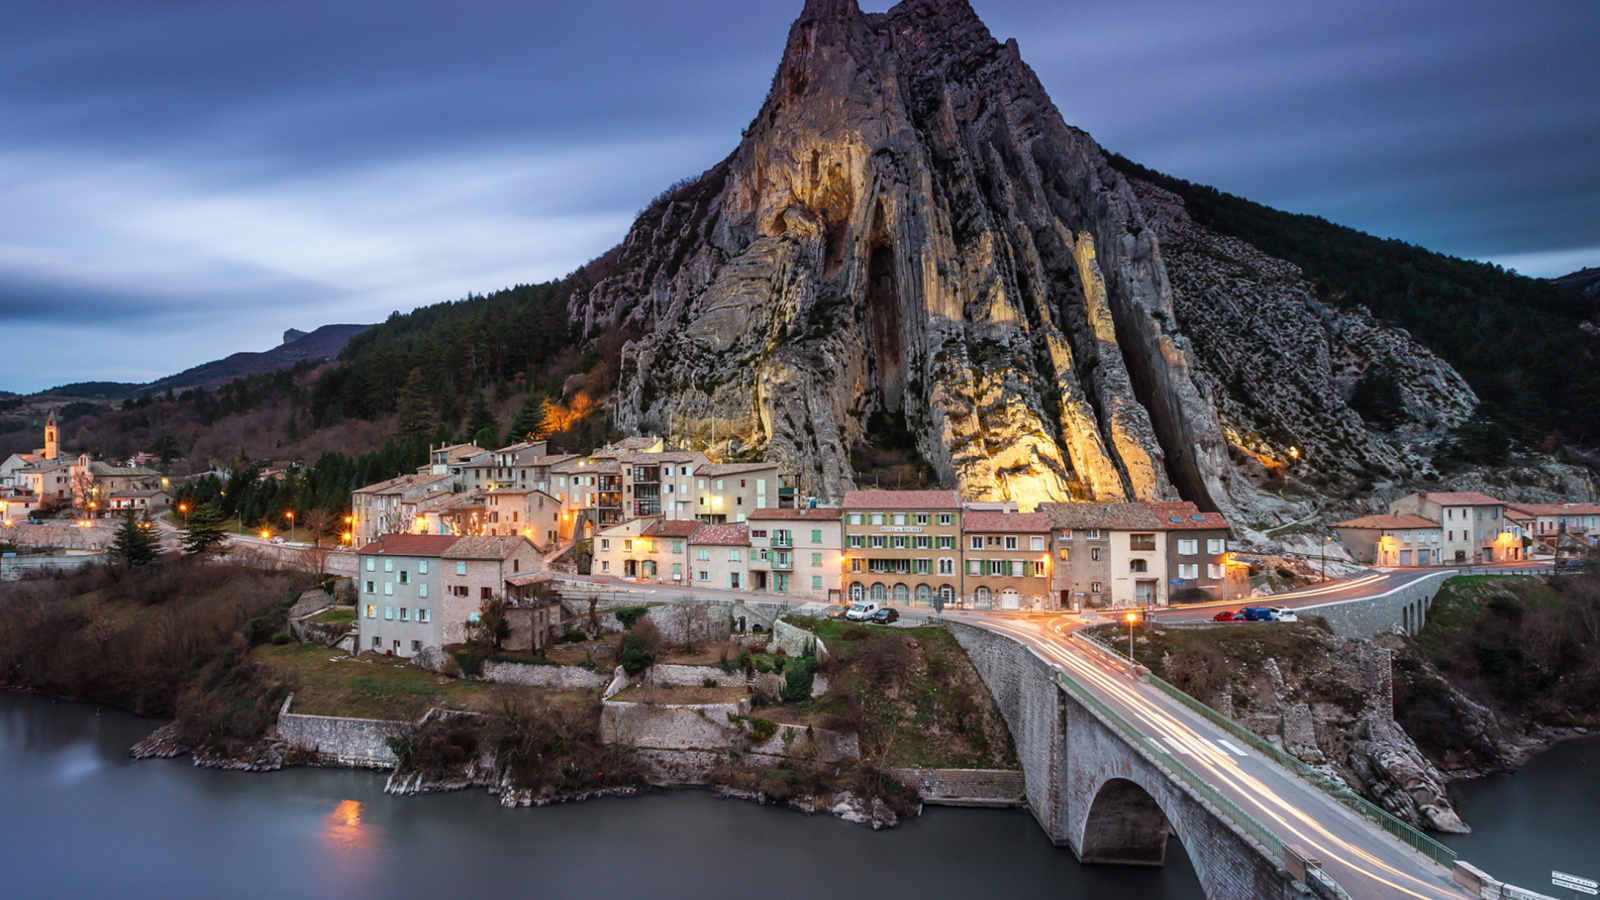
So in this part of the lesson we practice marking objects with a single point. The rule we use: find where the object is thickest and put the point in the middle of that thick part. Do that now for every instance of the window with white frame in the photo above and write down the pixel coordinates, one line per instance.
(947, 566)
(976, 542)
(372, 611)
(946, 519)
(1011, 542)
(1188, 546)
(1036, 542)
(974, 567)
(1215, 546)
(1213, 571)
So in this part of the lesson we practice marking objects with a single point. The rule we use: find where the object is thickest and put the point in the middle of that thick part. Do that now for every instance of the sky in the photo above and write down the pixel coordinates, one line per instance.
(184, 179)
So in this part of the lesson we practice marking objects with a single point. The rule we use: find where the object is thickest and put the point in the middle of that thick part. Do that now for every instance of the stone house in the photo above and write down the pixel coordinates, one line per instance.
(1403, 540)
(618, 551)
(399, 600)
(1476, 528)
(499, 469)
(590, 490)
(719, 557)
(389, 507)
(94, 481)
(1199, 565)
(50, 481)
(1109, 554)
(1005, 560)
(477, 569)
(1543, 522)
(150, 501)
(797, 552)
(533, 514)
(452, 460)
(661, 484)
(533, 614)
(902, 546)
(729, 492)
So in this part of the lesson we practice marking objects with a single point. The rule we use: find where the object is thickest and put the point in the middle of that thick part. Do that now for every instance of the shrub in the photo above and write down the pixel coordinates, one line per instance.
(281, 638)
(762, 729)
(630, 614)
(708, 682)
(574, 636)
(634, 658)
(470, 663)
(797, 685)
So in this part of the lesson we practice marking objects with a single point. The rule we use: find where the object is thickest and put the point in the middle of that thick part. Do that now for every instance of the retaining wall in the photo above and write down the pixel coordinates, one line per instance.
(966, 787)
(362, 743)
(562, 678)
(795, 641)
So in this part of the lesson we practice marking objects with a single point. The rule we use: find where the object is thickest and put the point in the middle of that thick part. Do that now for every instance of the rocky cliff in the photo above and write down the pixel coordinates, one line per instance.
(910, 226)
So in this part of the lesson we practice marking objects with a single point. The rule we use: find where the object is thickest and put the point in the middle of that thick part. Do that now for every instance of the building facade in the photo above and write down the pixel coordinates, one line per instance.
(1005, 560)
(797, 552)
(1404, 540)
(902, 546)
(1476, 528)
(399, 600)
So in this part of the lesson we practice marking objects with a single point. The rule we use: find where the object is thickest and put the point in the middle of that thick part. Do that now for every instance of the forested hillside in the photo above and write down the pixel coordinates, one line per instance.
(1516, 340)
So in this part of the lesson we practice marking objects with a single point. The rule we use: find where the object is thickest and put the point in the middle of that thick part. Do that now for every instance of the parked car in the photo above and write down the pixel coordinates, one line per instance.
(860, 611)
(1283, 614)
(837, 611)
(1256, 614)
(884, 616)
(1224, 616)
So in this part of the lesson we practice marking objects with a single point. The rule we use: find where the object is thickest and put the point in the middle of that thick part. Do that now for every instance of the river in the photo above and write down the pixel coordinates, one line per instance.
(78, 818)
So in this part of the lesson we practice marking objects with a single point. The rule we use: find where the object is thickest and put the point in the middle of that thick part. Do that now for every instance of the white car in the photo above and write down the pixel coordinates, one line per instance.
(1283, 614)
(860, 611)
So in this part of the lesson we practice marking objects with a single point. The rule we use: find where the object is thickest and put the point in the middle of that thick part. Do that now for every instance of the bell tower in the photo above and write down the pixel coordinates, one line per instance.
(52, 438)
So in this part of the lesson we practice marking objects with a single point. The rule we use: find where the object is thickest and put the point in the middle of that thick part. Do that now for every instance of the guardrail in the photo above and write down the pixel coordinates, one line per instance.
(1407, 834)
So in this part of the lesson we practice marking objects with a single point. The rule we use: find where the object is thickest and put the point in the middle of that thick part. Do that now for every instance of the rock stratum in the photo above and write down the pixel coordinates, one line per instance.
(910, 226)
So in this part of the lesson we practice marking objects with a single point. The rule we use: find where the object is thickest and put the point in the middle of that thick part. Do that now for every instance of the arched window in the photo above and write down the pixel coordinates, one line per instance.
(1137, 565)
(948, 593)
(879, 592)
(982, 598)
(902, 594)
(857, 592)
(924, 595)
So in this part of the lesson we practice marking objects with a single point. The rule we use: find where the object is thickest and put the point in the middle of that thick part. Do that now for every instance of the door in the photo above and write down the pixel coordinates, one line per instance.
(761, 581)
(1405, 557)
(1144, 592)
(1010, 598)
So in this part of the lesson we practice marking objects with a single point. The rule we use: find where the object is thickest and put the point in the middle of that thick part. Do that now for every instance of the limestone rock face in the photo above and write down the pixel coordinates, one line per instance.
(910, 226)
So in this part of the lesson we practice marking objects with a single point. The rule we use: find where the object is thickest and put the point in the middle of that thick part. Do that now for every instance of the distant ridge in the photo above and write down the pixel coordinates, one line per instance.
(1583, 281)
(298, 346)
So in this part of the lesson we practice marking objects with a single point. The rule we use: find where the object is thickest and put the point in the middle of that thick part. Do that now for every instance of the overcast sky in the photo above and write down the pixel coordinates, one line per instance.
(181, 179)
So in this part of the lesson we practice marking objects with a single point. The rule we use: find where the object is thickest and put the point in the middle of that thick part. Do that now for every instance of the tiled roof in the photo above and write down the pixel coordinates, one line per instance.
(734, 535)
(534, 578)
(106, 470)
(135, 494)
(994, 522)
(820, 514)
(672, 528)
(1114, 516)
(554, 459)
(410, 545)
(712, 470)
(901, 500)
(1555, 509)
(506, 492)
(634, 443)
(668, 456)
(1462, 498)
(577, 465)
(1389, 522)
(485, 547)
(402, 483)
(1188, 516)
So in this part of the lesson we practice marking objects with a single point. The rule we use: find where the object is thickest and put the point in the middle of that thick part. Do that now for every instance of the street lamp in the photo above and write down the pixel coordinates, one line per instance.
(1326, 540)
(290, 514)
(1131, 619)
(184, 509)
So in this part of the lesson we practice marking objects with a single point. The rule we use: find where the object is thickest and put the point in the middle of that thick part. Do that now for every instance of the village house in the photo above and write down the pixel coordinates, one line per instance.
(1005, 560)
(729, 492)
(147, 501)
(390, 507)
(901, 546)
(660, 484)
(476, 569)
(452, 460)
(533, 514)
(797, 552)
(94, 482)
(16, 506)
(1403, 540)
(719, 556)
(1199, 565)
(51, 482)
(499, 469)
(13, 469)
(1475, 526)
(649, 549)
(1138, 554)
(533, 612)
(618, 550)
(1543, 522)
(399, 597)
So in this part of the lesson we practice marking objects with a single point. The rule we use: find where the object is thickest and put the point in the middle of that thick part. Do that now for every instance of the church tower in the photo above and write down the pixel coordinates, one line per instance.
(52, 439)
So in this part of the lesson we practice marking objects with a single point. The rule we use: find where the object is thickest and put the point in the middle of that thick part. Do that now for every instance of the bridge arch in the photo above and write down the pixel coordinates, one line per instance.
(1125, 826)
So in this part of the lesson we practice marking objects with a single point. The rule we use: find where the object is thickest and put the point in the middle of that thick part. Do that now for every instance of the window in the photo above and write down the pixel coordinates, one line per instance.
(719, 484)
(405, 577)
(388, 613)
(1094, 553)
(371, 564)
(649, 568)
(1036, 542)
(461, 567)
(372, 611)
(946, 519)
(605, 543)
(733, 555)
(605, 565)
(1066, 555)
(922, 518)
(388, 565)
(1188, 547)
(855, 519)
(405, 614)
(422, 567)
(998, 567)
(1213, 571)
(947, 542)
(899, 519)
(1011, 542)
(704, 554)
(855, 542)
(976, 543)
(875, 542)
(877, 518)
(371, 589)
(677, 546)
(816, 535)
(388, 588)
(424, 616)
(816, 582)
(703, 575)
(1138, 542)
(1038, 568)
(422, 591)
(898, 542)
(816, 559)
(922, 567)
(1138, 565)
(1189, 571)
(1094, 587)
(627, 545)
(1093, 535)
(974, 567)
(855, 564)
(1214, 547)
(758, 534)
(376, 643)
(1066, 534)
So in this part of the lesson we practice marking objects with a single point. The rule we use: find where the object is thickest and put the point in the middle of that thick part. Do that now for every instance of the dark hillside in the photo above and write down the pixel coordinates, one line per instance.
(1516, 340)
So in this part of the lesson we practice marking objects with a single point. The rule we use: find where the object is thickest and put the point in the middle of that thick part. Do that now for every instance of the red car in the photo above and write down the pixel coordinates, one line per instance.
(1224, 616)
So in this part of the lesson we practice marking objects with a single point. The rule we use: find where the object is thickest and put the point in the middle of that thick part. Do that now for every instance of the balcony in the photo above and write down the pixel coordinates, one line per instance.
(783, 562)
(782, 539)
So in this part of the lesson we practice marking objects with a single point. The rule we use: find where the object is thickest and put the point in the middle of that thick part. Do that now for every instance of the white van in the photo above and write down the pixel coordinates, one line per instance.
(861, 610)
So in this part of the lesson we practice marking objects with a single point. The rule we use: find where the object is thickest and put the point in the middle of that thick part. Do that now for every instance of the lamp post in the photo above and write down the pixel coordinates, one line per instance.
(1325, 541)
(1131, 618)
(290, 514)
(183, 509)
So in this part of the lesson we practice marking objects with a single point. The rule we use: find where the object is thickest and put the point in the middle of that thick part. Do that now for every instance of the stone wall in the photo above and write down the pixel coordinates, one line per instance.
(688, 727)
(1405, 607)
(561, 678)
(693, 676)
(966, 787)
(362, 743)
(792, 742)
(795, 641)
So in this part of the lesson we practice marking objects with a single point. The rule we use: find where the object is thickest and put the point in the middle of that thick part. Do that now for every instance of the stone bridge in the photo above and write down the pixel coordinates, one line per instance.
(1096, 793)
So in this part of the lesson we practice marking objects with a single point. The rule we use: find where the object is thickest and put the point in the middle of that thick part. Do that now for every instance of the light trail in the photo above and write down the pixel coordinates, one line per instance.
(1214, 764)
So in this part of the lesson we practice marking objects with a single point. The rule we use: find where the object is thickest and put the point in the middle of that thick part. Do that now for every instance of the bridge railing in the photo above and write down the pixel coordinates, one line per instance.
(1247, 823)
(1403, 832)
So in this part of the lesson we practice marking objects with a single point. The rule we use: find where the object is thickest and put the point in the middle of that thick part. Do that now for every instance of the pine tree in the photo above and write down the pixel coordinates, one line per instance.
(204, 534)
(529, 423)
(479, 419)
(135, 542)
(414, 409)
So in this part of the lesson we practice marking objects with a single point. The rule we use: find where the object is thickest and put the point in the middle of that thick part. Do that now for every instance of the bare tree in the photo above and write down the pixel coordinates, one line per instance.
(594, 615)
(695, 619)
(320, 524)
(315, 558)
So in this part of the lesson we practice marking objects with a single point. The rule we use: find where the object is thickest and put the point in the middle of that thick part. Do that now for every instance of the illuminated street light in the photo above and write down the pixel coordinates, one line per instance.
(1131, 619)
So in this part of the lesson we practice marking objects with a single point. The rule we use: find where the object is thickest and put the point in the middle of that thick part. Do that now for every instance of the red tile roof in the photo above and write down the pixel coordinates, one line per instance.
(1113, 516)
(714, 470)
(1462, 498)
(1555, 509)
(1015, 522)
(410, 545)
(672, 528)
(901, 500)
(1389, 522)
(733, 535)
(820, 514)
(1192, 519)
(486, 547)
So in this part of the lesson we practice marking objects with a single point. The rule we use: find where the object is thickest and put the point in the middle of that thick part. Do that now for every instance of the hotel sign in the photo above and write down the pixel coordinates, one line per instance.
(901, 529)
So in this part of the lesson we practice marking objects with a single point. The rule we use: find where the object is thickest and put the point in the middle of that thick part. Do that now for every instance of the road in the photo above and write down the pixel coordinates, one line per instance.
(1365, 861)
